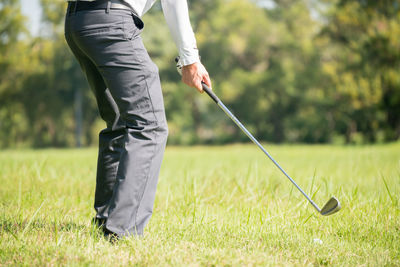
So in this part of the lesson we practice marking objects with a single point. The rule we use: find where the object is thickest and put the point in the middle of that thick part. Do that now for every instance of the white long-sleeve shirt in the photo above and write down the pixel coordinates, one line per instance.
(177, 16)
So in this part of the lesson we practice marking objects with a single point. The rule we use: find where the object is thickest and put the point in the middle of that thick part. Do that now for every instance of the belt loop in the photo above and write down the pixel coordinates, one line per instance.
(76, 5)
(108, 7)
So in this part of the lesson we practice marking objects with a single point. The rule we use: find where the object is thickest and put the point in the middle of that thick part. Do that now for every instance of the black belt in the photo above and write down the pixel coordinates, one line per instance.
(102, 4)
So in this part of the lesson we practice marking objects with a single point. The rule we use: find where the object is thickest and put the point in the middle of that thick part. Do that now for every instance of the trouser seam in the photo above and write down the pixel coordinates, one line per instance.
(107, 204)
(116, 178)
(151, 101)
(152, 157)
(147, 179)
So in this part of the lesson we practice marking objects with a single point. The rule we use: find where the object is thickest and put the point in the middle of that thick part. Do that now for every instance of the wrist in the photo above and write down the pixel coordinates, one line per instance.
(189, 59)
(190, 66)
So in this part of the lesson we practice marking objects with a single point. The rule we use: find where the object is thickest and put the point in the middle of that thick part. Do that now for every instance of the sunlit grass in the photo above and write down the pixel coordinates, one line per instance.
(214, 206)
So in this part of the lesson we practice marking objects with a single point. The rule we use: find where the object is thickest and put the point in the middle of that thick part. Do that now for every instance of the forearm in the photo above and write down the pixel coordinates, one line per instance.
(177, 16)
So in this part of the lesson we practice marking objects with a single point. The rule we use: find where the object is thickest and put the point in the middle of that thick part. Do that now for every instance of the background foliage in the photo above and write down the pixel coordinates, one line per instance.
(312, 71)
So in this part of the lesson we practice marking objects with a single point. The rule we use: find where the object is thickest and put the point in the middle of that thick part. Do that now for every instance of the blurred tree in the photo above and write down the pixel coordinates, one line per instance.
(363, 65)
(40, 83)
(264, 62)
(11, 27)
(12, 67)
(291, 70)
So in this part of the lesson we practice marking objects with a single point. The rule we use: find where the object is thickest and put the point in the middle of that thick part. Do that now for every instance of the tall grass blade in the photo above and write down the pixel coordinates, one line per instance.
(312, 182)
(308, 218)
(33, 217)
(316, 191)
(387, 189)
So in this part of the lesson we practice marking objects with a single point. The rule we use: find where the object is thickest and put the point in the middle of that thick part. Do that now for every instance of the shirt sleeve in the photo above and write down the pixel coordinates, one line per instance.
(177, 16)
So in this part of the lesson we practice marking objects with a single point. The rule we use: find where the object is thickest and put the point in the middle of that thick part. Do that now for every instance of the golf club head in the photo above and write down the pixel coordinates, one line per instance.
(331, 207)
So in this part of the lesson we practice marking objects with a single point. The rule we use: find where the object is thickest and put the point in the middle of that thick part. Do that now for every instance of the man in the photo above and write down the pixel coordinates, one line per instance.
(105, 38)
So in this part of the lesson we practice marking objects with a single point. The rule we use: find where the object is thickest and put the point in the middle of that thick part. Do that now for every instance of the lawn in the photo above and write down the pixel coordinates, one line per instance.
(215, 206)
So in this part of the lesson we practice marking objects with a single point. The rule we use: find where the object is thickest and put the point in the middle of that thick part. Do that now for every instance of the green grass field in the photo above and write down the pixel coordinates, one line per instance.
(215, 206)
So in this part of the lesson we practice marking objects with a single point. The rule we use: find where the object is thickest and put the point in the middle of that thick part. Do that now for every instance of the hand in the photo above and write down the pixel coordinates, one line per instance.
(194, 74)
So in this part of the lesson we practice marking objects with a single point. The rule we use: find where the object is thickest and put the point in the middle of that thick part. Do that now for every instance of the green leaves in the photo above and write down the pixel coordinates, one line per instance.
(292, 71)
(366, 57)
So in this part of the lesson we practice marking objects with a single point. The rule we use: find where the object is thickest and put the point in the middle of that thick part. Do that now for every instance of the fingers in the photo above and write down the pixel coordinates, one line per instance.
(207, 80)
(197, 84)
(193, 82)
(194, 74)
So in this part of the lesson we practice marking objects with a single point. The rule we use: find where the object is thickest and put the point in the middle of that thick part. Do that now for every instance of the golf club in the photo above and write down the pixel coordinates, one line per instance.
(333, 204)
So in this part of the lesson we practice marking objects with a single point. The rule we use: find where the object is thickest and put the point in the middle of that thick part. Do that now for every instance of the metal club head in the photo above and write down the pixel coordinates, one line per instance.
(331, 207)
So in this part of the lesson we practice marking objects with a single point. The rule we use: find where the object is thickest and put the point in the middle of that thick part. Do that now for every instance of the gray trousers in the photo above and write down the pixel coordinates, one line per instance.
(127, 88)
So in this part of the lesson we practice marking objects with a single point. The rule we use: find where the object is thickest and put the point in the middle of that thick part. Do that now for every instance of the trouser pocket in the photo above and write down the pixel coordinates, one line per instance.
(133, 26)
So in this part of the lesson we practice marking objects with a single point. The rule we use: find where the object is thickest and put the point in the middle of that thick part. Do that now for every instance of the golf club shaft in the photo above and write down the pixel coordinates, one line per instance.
(252, 138)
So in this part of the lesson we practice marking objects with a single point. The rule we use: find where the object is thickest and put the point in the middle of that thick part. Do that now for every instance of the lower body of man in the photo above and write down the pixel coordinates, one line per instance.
(105, 38)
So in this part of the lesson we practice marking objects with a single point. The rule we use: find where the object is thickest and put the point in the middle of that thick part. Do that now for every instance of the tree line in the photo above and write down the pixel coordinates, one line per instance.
(313, 71)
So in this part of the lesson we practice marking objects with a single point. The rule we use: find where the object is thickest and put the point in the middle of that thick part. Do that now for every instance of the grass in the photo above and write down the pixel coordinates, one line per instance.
(215, 206)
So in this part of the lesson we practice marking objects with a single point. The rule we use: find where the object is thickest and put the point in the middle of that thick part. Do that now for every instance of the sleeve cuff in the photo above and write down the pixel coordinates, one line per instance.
(188, 58)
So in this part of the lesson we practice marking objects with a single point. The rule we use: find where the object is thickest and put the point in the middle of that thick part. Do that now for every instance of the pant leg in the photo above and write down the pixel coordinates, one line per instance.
(111, 138)
(110, 149)
(113, 43)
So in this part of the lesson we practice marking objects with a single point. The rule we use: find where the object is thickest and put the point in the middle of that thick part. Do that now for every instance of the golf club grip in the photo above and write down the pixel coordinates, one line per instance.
(210, 93)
